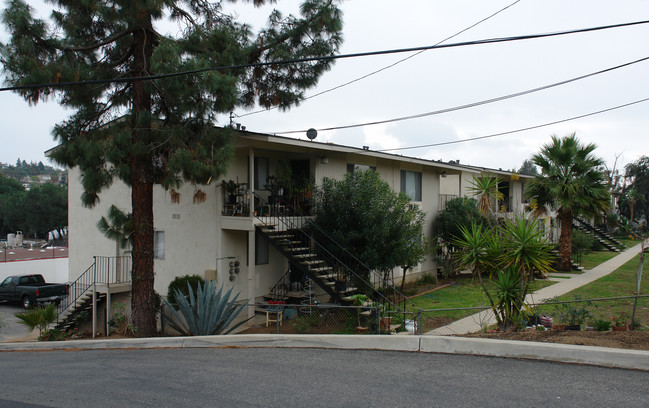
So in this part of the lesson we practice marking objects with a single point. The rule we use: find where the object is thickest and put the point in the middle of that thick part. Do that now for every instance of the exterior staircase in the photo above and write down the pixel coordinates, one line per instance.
(310, 250)
(106, 275)
(601, 236)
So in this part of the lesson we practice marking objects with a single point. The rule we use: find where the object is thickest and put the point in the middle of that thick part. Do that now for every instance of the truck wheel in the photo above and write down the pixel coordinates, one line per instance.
(27, 302)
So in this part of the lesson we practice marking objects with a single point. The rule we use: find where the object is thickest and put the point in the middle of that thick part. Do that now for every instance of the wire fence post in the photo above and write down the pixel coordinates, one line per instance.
(419, 321)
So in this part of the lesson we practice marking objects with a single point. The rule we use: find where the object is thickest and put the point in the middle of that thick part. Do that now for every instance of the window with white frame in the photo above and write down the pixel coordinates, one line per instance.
(411, 184)
(159, 245)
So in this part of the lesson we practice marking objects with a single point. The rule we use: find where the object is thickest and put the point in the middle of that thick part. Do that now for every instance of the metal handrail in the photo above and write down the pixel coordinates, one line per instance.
(104, 270)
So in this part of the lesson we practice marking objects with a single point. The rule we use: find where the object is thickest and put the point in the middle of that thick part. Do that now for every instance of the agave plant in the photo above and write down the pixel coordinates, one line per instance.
(209, 312)
(38, 317)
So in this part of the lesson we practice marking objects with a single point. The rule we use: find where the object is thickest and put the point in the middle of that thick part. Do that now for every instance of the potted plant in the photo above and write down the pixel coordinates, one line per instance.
(359, 299)
(619, 322)
(231, 188)
(284, 177)
(574, 315)
(273, 188)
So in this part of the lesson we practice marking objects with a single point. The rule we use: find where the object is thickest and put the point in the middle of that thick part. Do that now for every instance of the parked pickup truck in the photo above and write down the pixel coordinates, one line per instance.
(31, 290)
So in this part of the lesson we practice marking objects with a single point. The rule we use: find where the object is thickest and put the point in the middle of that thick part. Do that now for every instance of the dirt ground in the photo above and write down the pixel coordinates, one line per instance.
(636, 340)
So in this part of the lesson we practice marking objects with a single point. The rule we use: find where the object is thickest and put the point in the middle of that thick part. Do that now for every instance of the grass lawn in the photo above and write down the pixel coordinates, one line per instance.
(464, 292)
(622, 282)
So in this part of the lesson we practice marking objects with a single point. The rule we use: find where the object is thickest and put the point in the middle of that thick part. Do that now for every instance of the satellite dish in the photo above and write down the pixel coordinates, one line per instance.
(311, 133)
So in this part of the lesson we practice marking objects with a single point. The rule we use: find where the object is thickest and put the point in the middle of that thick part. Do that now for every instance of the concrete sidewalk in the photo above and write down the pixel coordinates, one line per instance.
(477, 321)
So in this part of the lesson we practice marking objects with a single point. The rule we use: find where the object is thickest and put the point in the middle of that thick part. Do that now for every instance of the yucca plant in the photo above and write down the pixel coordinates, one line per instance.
(487, 188)
(510, 297)
(479, 250)
(38, 317)
(209, 312)
(525, 247)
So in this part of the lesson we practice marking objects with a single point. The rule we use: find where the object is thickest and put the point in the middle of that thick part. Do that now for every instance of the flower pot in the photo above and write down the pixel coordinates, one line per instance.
(574, 327)
(619, 328)
(362, 329)
(559, 327)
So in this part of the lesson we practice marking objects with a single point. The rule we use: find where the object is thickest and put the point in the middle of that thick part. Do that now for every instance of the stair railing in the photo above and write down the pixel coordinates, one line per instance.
(611, 243)
(282, 216)
(104, 270)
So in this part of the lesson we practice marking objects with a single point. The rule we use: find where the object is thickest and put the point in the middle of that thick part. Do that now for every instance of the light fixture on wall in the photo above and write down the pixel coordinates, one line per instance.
(324, 160)
(443, 174)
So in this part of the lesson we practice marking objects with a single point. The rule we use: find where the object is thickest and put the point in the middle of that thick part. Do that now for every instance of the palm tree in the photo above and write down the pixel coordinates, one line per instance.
(572, 182)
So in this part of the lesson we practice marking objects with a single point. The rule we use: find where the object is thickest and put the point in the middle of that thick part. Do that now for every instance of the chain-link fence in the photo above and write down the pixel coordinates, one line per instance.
(328, 319)
(593, 314)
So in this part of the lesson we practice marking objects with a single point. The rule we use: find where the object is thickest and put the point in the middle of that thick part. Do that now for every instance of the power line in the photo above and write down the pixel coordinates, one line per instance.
(387, 66)
(470, 105)
(322, 58)
(517, 130)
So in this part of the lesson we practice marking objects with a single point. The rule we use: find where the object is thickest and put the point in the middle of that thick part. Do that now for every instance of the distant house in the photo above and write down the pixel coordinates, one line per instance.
(224, 237)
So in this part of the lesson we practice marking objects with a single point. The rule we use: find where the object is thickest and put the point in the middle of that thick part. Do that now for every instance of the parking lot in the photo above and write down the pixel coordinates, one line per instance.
(12, 329)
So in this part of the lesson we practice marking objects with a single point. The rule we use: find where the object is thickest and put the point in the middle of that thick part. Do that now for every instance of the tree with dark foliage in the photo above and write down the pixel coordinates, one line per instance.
(165, 133)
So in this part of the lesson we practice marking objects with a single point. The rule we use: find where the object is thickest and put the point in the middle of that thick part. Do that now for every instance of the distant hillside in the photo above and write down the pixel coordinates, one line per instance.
(34, 173)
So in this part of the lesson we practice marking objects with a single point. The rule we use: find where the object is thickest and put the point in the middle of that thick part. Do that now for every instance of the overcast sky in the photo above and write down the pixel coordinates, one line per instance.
(440, 79)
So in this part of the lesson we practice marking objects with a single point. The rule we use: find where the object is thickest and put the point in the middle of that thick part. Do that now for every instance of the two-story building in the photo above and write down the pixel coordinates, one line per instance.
(218, 237)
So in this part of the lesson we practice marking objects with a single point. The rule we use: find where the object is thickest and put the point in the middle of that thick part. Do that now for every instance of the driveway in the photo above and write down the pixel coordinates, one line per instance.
(13, 331)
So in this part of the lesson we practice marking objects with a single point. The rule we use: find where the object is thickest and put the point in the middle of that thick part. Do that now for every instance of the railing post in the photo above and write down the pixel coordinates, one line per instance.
(419, 321)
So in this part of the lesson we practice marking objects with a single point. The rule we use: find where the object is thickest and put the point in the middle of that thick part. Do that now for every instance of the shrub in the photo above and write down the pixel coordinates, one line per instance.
(180, 284)
(601, 325)
(426, 278)
(582, 242)
(38, 317)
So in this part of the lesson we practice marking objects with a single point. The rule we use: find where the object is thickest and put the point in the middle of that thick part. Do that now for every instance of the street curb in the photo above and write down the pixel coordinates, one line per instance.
(564, 353)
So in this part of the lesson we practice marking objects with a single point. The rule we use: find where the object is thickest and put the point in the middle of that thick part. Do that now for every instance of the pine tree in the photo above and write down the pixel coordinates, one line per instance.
(165, 129)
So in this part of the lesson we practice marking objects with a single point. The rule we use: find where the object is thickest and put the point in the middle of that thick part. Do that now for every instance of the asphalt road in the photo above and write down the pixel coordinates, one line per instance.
(234, 377)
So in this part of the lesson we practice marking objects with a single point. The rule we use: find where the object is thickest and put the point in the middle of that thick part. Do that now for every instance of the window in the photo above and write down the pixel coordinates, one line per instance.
(261, 173)
(411, 184)
(159, 245)
(351, 167)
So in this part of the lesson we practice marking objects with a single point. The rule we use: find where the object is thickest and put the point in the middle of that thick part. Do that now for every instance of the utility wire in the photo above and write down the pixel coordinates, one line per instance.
(517, 130)
(322, 58)
(385, 67)
(473, 104)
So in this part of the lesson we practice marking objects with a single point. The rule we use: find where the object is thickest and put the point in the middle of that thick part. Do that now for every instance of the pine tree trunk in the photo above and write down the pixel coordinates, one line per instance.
(142, 294)
(565, 240)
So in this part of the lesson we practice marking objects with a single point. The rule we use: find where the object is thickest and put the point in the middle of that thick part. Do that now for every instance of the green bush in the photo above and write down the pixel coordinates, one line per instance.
(602, 325)
(180, 284)
(582, 242)
(426, 278)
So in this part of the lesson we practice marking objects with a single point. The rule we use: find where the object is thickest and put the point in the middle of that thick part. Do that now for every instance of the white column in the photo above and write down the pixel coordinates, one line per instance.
(251, 187)
(251, 272)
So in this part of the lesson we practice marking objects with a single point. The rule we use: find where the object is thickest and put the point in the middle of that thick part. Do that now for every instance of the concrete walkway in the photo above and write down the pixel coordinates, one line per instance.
(476, 322)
